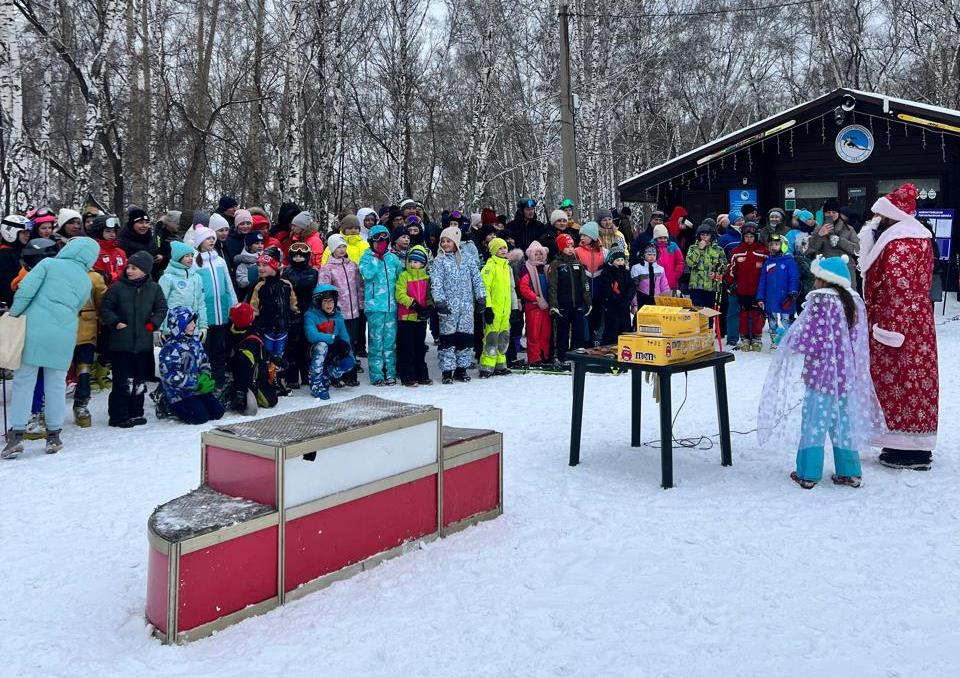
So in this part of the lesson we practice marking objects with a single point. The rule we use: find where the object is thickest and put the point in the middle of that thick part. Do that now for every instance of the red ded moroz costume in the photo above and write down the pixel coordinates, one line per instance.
(897, 266)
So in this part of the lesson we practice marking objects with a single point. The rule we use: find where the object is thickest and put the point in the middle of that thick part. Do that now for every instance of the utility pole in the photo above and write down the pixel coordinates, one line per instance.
(568, 142)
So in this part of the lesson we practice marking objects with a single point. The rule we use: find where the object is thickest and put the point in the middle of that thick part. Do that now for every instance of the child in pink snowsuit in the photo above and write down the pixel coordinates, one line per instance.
(533, 291)
(649, 278)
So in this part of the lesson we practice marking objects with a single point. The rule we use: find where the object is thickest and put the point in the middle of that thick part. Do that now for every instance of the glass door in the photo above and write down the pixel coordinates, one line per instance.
(855, 194)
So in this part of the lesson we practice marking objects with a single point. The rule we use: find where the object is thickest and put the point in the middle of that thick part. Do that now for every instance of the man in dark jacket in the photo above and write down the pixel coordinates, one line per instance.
(227, 207)
(645, 236)
(137, 236)
(525, 225)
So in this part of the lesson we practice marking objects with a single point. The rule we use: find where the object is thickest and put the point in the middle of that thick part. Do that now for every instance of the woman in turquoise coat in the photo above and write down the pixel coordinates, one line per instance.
(50, 297)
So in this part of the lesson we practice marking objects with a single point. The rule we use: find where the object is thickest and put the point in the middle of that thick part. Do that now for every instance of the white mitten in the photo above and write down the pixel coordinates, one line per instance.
(888, 337)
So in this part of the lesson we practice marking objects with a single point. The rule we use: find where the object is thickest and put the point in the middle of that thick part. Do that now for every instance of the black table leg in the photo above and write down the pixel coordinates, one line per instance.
(636, 400)
(723, 415)
(666, 433)
(576, 420)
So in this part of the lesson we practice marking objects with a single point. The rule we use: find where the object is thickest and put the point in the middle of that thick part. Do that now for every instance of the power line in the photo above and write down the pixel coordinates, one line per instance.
(707, 12)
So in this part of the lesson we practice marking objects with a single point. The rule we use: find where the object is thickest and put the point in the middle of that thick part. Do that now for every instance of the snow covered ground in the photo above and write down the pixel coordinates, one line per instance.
(591, 571)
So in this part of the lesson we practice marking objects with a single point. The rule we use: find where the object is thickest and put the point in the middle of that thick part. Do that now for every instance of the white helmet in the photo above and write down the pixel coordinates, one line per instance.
(12, 225)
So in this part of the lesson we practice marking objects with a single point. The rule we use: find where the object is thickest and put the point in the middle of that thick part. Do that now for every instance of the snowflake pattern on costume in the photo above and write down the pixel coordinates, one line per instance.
(896, 291)
(821, 369)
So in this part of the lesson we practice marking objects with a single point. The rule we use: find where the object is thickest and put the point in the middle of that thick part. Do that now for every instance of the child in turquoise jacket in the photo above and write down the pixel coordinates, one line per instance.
(331, 356)
(380, 269)
(181, 286)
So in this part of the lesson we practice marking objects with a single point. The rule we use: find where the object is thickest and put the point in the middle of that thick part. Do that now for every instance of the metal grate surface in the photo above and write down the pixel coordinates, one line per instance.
(295, 427)
(452, 435)
(200, 511)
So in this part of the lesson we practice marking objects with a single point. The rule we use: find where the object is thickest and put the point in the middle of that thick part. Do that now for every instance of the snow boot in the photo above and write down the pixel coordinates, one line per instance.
(251, 406)
(460, 374)
(912, 460)
(425, 382)
(53, 442)
(14, 445)
(501, 371)
(81, 415)
(485, 374)
(849, 481)
(805, 484)
(36, 427)
(735, 346)
(447, 377)
(409, 383)
(101, 376)
(389, 381)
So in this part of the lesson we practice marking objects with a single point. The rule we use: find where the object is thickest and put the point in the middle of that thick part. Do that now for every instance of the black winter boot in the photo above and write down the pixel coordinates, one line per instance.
(460, 374)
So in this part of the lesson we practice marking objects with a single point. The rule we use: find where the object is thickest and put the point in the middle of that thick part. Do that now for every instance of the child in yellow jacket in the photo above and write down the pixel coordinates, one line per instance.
(501, 300)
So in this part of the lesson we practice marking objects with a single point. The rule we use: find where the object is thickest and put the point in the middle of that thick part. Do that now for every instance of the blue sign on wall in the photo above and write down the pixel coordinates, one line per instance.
(942, 222)
(742, 196)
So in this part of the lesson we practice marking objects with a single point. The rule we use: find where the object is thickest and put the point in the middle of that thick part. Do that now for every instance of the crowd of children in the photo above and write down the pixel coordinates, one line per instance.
(246, 311)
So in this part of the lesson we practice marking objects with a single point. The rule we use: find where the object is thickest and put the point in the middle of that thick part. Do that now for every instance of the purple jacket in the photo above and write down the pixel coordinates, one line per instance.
(344, 274)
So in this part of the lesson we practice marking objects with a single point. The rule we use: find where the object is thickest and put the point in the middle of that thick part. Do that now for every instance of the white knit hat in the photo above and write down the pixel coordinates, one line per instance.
(217, 223)
(66, 215)
(558, 215)
(334, 241)
(660, 231)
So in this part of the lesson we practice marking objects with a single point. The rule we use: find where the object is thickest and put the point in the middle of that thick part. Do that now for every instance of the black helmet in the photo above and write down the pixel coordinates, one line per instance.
(102, 222)
(36, 251)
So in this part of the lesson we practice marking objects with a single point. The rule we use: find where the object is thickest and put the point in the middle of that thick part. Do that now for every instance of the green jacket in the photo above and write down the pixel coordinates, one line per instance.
(702, 262)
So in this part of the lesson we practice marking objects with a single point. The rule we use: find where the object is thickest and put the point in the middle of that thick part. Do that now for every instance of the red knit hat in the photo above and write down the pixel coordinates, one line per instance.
(564, 241)
(905, 198)
(488, 216)
(242, 316)
(267, 260)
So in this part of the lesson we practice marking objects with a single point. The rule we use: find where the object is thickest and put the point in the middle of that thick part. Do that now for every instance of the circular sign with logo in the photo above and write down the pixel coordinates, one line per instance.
(854, 143)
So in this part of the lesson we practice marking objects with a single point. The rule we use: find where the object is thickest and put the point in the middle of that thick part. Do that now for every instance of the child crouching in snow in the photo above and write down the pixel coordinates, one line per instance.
(331, 356)
(185, 370)
(825, 353)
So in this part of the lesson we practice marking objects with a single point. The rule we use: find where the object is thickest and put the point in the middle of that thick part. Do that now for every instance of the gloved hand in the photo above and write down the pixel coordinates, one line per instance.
(339, 348)
(205, 384)
(834, 239)
(516, 316)
(149, 326)
(787, 302)
(555, 312)
(443, 308)
(202, 336)
(488, 316)
(542, 303)
(279, 362)
(420, 310)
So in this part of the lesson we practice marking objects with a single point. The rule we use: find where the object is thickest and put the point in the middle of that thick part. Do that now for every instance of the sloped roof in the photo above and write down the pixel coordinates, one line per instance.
(634, 188)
